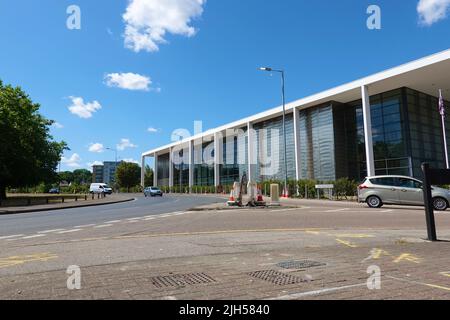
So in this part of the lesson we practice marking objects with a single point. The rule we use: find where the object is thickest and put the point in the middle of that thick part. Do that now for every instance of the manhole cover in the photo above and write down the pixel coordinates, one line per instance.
(276, 277)
(181, 280)
(302, 264)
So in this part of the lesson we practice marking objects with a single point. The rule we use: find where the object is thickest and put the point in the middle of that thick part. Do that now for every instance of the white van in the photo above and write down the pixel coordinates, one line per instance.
(100, 188)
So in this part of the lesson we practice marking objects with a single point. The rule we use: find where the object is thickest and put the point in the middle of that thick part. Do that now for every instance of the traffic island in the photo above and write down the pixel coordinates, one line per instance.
(62, 202)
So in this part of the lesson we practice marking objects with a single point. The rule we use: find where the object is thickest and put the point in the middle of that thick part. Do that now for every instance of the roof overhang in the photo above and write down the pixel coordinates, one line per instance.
(427, 75)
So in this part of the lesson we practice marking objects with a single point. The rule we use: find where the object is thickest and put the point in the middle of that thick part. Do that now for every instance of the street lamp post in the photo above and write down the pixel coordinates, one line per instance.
(285, 191)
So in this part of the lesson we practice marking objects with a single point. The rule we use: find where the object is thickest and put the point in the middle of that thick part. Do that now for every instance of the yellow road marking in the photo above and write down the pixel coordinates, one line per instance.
(445, 274)
(408, 257)
(19, 260)
(377, 253)
(355, 236)
(347, 243)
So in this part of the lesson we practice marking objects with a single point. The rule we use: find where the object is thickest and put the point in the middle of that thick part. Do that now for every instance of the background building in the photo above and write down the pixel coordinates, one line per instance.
(105, 173)
(387, 123)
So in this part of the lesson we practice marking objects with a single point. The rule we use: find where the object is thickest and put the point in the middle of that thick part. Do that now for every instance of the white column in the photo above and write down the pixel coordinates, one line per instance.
(368, 131)
(218, 156)
(143, 172)
(251, 151)
(170, 168)
(155, 171)
(297, 144)
(191, 164)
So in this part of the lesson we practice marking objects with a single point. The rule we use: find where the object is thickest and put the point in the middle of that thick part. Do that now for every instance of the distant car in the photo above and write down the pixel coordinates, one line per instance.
(399, 190)
(152, 192)
(54, 191)
(100, 188)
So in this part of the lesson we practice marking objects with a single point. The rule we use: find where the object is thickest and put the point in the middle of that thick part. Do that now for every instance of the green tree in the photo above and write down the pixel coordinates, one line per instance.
(82, 176)
(148, 179)
(128, 175)
(65, 176)
(28, 153)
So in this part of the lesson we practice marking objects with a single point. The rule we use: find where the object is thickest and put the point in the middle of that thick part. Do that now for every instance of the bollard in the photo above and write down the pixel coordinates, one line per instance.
(274, 195)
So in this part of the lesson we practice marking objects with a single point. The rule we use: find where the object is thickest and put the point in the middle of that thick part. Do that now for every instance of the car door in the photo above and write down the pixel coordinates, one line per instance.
(410, 192)
(386, 189)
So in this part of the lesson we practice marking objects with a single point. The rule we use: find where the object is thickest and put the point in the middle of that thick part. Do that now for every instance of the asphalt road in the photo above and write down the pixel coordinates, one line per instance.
(67, 218)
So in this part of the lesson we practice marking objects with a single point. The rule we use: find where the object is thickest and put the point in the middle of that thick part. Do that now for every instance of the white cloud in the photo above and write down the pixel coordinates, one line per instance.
(96, 148)
(83, 110)
(148, 21)
(125, 144)
(152, 130)
(58, 125)
(431, 11)
(73, 161)
(131, 161)
(128, 81)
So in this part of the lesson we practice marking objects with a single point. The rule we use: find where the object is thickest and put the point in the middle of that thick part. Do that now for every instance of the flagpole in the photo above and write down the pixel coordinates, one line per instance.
(442, 111)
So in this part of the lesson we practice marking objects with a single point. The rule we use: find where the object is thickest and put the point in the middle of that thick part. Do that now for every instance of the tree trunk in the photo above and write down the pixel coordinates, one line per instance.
(2, 192)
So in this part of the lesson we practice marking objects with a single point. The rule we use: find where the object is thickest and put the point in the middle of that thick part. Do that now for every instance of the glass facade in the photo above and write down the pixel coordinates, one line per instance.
(406, 129)
(204, 163)
(270, 149)
(163, 165)
(181, 167)
(317, 143)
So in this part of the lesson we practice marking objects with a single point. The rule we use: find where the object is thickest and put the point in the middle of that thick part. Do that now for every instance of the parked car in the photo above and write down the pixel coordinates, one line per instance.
(54, 191)
(100, 188)
(399, 190)
(152, 192)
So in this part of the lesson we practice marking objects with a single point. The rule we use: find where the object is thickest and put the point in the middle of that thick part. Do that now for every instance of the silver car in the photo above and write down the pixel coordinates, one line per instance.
(381, 190)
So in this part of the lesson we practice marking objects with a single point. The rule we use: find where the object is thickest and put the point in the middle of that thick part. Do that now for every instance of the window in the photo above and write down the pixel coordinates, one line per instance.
(408, 183)
(383, 181)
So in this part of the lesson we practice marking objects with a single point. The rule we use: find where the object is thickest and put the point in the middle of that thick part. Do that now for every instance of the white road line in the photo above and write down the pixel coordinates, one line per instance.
(134, 219)
(10, 237)
(114, 221)
(51, 231)
(70, 231)
(147, 219)
(103, 226)
(35, 236)
(386, 211)
(317, 292)
(85, 226)
(292, 209)
(337, 210)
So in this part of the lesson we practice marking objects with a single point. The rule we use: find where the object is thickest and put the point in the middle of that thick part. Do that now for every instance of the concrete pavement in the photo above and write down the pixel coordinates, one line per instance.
(240, 251)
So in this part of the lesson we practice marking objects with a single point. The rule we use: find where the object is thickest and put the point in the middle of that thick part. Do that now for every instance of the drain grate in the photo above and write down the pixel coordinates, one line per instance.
(302, 264)
(275, 277)
(181, 280)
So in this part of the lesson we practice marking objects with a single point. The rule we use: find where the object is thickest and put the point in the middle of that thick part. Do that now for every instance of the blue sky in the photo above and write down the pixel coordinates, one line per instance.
(191, 60)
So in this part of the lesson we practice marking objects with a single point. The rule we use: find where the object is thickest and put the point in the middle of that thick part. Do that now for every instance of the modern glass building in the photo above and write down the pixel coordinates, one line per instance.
(384, 124)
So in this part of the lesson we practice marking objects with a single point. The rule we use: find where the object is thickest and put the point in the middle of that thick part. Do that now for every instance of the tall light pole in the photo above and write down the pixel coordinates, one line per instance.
(285, 191)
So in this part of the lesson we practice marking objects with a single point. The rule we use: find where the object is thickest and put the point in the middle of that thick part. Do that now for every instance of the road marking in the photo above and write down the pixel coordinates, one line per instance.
(445, 274)
(85, 226)
(347, 243)
(134, 219)
(103, 226)
(408, 257)
(337, 210)
(34, 236)
(10, 237)
(386, 211)
(51, 231)
(355, 236)
(285, 210)
(147, 219)
(317, 292)
(69, 231)
(420, 283)
(114, 221)
(19, 260)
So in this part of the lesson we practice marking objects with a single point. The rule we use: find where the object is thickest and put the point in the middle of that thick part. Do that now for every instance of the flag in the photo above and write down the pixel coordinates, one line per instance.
(441, 104)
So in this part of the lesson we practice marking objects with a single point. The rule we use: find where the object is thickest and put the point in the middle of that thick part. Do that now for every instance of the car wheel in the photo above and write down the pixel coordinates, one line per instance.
(440, 204)
(374, 202)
